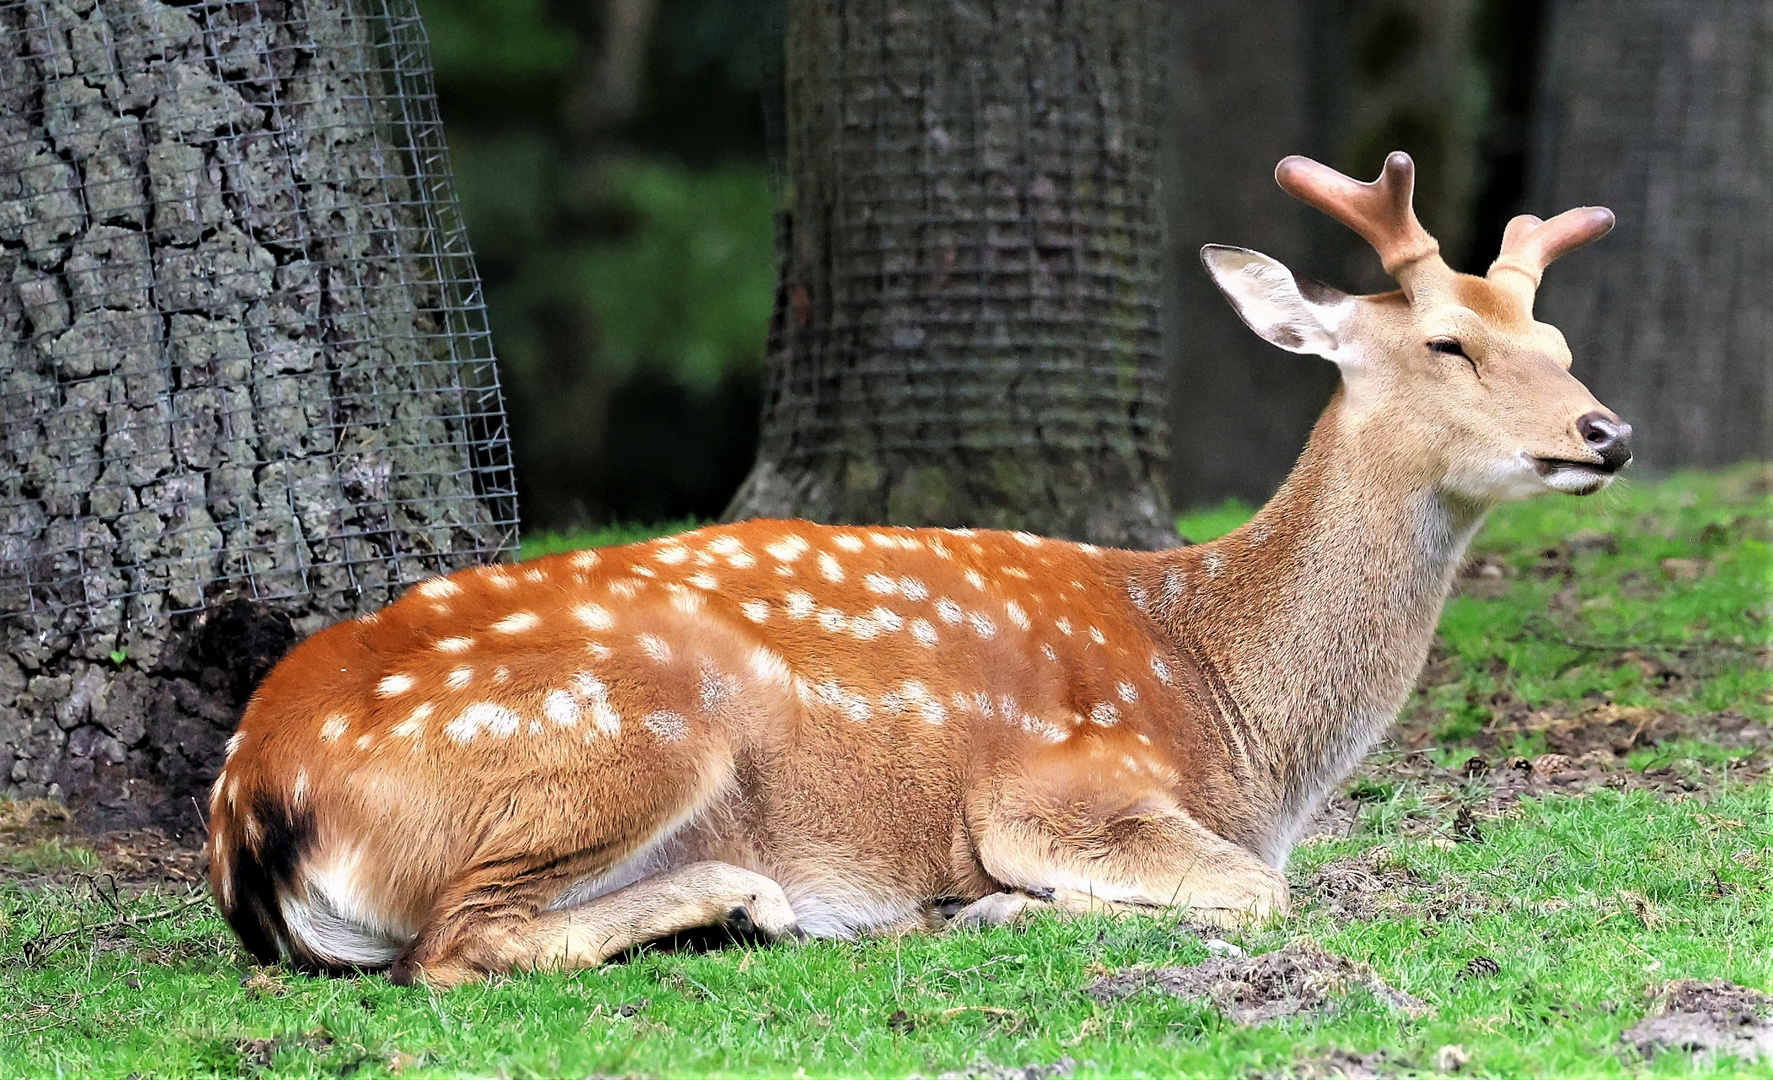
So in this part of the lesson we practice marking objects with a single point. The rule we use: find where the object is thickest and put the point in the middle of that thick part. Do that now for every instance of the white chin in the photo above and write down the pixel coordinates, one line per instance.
(1576, 480)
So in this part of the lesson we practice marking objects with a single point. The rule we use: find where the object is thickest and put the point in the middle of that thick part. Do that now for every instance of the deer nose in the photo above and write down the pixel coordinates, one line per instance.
(1608, 436)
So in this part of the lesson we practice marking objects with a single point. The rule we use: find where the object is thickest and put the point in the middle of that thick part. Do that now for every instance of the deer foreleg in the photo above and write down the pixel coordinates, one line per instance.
(1078, 860)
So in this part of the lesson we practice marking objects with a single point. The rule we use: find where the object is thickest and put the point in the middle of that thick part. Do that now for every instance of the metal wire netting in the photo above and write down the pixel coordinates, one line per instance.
(975, 259)
(243, 348)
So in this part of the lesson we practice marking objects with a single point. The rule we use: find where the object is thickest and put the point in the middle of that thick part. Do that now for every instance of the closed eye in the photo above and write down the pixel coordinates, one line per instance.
(1451, 347)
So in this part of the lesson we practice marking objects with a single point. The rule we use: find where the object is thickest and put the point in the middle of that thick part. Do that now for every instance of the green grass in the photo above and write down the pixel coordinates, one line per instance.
(1582, 901)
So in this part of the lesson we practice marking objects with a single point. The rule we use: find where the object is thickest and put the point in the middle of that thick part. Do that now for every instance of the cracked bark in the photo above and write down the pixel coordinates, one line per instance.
(230, 407)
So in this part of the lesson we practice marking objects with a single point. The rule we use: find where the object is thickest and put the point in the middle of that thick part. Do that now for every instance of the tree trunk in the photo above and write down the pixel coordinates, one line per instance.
(1346, 82)
(967, 328)
(245, 383)
(1663, 111)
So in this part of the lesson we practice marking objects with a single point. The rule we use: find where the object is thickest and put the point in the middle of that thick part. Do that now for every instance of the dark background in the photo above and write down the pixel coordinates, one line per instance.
(615, 164)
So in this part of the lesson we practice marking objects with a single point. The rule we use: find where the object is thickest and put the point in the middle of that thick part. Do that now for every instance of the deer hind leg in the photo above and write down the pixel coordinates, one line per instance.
(1055, 855)
(486, 936)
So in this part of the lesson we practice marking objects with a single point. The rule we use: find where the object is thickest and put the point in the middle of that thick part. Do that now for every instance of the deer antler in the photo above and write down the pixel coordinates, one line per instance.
(1379, 211)
(1529, 245)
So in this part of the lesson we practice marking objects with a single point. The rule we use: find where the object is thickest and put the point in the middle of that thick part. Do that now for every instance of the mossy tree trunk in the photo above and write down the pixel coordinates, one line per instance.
(967, 329)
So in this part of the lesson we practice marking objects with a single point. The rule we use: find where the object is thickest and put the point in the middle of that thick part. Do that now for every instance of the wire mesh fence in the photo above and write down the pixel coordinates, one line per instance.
(243, 357)
(242, 341)
(988, 258)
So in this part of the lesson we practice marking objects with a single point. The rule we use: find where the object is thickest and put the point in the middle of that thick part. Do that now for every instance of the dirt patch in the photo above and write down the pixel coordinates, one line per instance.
(1300, 978)
(1711, 1017)
(40, 843)
(1337, 1065)
(1375, 885)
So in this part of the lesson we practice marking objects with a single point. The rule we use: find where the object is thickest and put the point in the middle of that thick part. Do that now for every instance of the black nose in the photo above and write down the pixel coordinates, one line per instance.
(1608, 436)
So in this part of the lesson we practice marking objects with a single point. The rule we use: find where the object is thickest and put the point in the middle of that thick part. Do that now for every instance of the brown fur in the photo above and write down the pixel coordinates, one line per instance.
(842, 729)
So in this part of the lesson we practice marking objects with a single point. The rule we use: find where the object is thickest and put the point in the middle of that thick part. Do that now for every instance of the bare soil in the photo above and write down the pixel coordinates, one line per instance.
(1299, 978)
(1710, 1017)
(1374, 885)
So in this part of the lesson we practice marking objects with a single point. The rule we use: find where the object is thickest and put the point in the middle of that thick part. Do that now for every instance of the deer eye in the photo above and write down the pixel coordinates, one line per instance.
(1447, 345)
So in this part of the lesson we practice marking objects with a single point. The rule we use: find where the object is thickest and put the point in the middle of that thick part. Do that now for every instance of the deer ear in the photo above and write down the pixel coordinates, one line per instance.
(1301, 317)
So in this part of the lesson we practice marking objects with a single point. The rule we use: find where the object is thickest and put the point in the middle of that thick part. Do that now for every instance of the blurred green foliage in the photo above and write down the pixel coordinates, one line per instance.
(627, 255)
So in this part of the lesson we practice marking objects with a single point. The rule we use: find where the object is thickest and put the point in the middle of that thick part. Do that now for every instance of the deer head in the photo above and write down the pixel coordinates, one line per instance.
(1468, 389)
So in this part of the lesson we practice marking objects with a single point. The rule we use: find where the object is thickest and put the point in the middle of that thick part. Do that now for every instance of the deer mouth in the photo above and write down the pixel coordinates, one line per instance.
(1573, 477)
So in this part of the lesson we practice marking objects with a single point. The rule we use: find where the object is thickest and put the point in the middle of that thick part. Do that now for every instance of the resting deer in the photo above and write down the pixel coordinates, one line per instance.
(836, 731)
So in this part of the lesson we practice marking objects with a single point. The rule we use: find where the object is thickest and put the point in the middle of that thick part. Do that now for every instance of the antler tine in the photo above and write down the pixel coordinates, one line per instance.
(1380, 211)
(1529, 245)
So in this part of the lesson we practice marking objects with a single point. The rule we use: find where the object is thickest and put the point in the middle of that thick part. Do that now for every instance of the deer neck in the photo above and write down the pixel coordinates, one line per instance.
(1312, 622)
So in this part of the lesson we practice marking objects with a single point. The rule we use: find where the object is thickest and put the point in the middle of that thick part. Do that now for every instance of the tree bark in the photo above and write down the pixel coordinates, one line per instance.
(241, 363)
(1662, 110)
(967, 326)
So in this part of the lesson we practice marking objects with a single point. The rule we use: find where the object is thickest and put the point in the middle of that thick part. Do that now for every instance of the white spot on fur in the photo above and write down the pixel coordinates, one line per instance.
(1047, 651)
(1173, 583)
(864, 628)
(832, 619)
(644, 571)
(560, 708)
(725, 545)
(1127, 691)
(706, 582)
(499, 579)
(439, 588)
(1161, 670)
(880, 583)
(1212, 561)
(455, 644)
(913, 589)
(982, 626)
(974, 578)
(667, 725)
(1027, 539)
(787, 549)
(1089, 549)
(501, 675)
(1063, 625)
(535, 575)
(829, 567)
(414, 725)
(626, 588)
(889, 620)
(583, 560)
(1104, 714)
(927, 704)
(517, 622)
(800, 604)
(594, 616)
(234, 742)
(365, 740)
(671, 554)
(949, 611)
(459, 677)
(300, 790)
(924, 633)
(1097, 636)
(333, 726)
(715, 691)
(690, 603)
(940, 549)
(1017, 615)
(654, 647)
(1136, 593)
(741, 560)
(848, 542)
(769, 667)
(758, 611)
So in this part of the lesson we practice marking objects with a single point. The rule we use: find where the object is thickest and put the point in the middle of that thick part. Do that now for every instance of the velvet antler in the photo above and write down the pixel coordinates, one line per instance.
(1379, 211)
(1529, 245)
